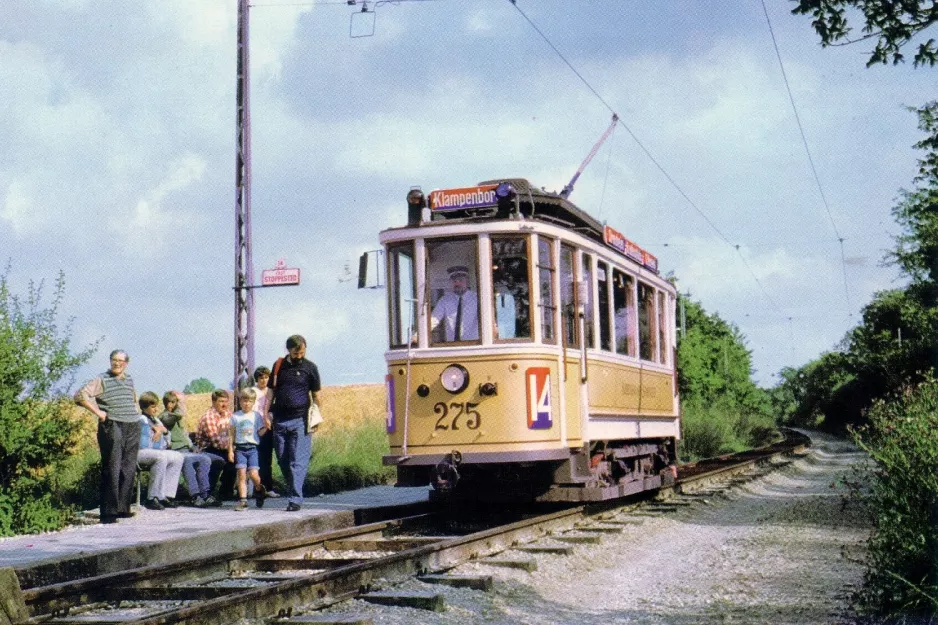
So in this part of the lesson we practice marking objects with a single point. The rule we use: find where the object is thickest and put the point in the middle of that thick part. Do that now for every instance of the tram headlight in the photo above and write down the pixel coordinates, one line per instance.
(455, 378)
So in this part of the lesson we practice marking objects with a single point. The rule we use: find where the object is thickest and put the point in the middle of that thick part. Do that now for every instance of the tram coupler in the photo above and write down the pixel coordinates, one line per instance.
(446, 472)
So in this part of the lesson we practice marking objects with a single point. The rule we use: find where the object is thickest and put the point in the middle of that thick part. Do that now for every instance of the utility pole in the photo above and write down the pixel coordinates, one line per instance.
(244, 268)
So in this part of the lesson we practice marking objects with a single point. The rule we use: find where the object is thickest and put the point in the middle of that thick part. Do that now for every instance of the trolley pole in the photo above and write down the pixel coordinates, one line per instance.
(244, 268)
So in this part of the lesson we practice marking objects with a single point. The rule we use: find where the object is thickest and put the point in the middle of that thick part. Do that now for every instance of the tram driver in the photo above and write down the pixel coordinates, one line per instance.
(458, 309)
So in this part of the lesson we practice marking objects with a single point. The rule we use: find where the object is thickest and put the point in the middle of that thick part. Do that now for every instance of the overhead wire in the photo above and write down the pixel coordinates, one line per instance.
(648, 153)
(804, 141)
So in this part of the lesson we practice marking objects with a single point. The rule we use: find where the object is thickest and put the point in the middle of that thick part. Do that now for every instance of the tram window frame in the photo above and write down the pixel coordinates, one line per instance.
(647, 322)
(397, 303)
(662, 329)
(521, 291)
(623, 299)
(589, 313)
(546, 296)
(435, 272)
(604, 305)
(568, 296)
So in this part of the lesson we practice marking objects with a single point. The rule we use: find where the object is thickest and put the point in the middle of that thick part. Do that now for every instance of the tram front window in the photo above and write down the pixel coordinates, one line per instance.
(510, 292)
(453, 287)
(403, 306)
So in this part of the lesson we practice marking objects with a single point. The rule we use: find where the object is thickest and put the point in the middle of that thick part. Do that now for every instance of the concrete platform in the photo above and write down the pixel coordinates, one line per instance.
(160, 537)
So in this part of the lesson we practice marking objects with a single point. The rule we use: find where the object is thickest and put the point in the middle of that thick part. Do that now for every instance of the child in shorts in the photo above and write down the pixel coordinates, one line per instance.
(247, 428)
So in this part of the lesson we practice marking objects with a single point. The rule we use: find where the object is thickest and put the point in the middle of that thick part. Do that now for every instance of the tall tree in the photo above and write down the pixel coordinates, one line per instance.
(893, 24)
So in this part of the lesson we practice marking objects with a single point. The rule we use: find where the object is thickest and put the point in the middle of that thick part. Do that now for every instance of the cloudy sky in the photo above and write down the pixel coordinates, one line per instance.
(117, 147)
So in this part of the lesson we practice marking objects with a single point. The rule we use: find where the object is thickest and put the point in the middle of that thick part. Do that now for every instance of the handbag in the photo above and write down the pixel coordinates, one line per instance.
(313, 418)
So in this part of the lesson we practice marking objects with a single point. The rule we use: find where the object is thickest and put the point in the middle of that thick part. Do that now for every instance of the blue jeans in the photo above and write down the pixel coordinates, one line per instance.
(294, 449)
(195, 469)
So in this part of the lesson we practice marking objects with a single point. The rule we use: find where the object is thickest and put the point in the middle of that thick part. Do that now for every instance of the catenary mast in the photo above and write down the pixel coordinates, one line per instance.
(244, 268)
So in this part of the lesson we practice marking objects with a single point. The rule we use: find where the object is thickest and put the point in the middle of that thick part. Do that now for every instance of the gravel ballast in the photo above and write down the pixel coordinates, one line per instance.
(780, 549)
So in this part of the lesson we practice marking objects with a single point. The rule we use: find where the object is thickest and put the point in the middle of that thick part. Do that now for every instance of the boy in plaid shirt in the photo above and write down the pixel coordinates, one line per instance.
(213, 437)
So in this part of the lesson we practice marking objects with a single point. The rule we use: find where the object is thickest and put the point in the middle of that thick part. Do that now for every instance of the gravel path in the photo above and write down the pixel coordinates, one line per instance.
(781, 549)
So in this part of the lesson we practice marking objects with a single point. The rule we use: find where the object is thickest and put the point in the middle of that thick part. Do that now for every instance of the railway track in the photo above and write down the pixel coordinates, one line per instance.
(365, 561)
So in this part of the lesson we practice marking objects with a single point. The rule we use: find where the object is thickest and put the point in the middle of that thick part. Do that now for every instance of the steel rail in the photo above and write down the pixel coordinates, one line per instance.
(324, 588)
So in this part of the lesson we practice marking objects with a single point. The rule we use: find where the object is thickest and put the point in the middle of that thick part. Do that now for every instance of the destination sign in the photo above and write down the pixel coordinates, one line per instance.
(617, 241)
(460, 199)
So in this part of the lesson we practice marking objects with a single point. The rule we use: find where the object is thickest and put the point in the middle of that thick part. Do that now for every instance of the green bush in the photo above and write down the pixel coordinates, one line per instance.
(78, 479)
(900, 490)
(722, 428)
(37, 426)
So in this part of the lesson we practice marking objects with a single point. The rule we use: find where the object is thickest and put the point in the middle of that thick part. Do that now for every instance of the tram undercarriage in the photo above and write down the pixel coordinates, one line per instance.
(601, 471)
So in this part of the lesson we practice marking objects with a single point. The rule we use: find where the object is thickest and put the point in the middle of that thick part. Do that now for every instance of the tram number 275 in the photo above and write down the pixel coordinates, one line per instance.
(450, 421)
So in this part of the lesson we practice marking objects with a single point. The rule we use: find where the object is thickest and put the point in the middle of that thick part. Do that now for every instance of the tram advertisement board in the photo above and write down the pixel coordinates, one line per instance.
(460, 199)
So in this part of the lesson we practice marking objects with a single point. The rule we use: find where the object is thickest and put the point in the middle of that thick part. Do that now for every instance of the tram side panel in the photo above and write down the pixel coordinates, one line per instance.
(629, 402)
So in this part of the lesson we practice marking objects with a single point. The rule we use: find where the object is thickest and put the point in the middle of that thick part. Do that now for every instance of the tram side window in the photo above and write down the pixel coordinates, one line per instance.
(588, 304)
(662, 328)
(623, 312)
(511, 294)
(568, 295)
(545, 279)
(452, 282)
(403, 291)
(602, 280)
(647, 333)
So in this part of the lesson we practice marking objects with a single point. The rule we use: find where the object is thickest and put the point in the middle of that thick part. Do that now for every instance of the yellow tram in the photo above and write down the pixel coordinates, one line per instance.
(531, 352)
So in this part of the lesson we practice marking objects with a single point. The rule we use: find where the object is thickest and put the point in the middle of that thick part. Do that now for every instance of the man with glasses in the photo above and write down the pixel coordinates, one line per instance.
(112, 398)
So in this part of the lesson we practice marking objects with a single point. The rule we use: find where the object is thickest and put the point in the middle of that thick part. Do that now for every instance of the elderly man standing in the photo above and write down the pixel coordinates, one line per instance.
(112, 398)
(295, 384)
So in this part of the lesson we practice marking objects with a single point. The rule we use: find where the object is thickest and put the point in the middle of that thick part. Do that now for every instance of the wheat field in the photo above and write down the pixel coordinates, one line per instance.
(343, 407)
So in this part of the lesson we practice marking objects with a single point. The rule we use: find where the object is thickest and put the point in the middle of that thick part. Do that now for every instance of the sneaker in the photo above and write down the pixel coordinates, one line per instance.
(153, 504)
(259, 496)
(169, 503)
(241, 505)
(200, 501)
(211, 501)
(272, 494)
(293, 507)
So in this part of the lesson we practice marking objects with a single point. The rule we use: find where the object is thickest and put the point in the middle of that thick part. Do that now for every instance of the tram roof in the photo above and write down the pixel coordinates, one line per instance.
(484, 202)
(537, 203)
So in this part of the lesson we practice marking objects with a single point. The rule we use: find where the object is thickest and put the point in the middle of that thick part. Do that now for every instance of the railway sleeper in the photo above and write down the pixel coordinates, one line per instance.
(433, 602)
(473, 582)
(323, 619)
(546, 549)
(511, 563)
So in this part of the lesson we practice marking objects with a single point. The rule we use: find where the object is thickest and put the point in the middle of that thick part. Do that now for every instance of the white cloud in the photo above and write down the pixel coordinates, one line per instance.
(19, 208)
(154, 219)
